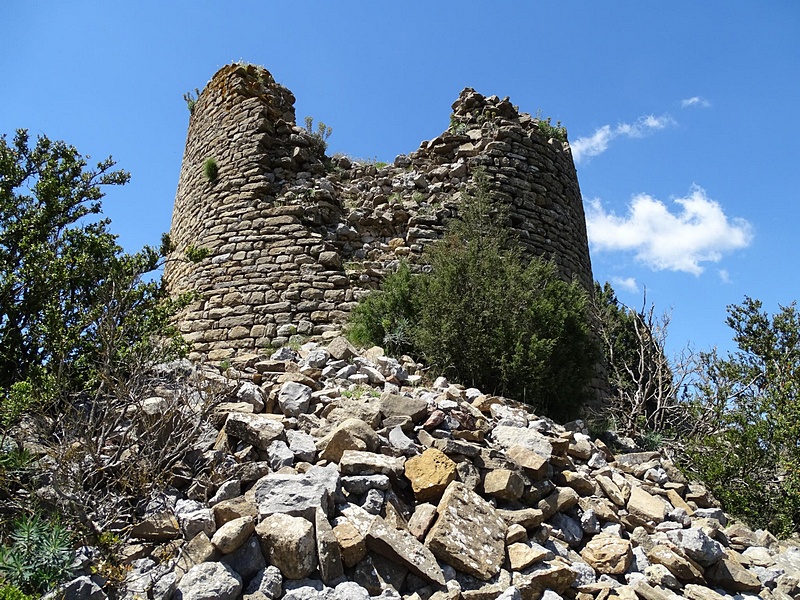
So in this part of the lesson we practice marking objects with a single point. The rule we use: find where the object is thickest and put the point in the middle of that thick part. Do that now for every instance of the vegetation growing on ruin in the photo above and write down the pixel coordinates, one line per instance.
(191, 99)
(485, 317)
(210, 169)
(319, 136)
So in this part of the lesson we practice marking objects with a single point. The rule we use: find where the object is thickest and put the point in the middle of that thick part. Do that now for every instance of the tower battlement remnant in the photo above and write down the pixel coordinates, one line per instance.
(296, 237)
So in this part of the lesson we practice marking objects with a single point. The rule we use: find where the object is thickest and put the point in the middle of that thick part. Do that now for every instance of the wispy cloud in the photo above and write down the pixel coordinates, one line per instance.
(695, 101)
(597, 143)
(627, 284)
(698, 232)
(724, 276)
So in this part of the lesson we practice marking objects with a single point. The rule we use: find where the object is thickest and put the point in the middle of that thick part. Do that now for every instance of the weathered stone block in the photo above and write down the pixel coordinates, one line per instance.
(468, 535)
(430, 473)
(288, 543)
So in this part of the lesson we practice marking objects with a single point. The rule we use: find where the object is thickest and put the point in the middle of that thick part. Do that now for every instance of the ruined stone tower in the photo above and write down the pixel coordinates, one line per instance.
(295, 237)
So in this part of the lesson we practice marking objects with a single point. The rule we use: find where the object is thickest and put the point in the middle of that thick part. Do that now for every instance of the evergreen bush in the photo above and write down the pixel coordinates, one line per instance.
(486, 317)
(386, 317)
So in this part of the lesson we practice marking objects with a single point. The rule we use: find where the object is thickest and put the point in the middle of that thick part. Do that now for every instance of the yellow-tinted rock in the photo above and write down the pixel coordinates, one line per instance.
(504, 484)
(430, 473)
(351, 542)
(522, 555)
(683, 568)
(608, 554)
(646, 506)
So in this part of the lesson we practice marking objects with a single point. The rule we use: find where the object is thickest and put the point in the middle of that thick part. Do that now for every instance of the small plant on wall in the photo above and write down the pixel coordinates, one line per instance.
(191, 99)
(210, 169)
(319, 138)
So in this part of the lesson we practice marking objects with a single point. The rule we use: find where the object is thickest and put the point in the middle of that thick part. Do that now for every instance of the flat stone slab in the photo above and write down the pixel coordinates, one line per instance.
(646, 506)
(296, 495)
(395, 405)
(469, 535)
(403, 548)
(356, 462)
(507, 437)
(257, 430)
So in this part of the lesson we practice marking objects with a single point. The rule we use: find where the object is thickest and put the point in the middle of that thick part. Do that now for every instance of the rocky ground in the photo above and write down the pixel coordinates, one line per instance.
(336, 475)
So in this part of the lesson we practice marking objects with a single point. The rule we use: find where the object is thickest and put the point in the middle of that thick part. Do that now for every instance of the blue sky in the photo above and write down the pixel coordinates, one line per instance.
(683, 116)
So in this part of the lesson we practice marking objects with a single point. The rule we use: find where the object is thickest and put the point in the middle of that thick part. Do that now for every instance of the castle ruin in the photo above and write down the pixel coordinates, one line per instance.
(295, 237)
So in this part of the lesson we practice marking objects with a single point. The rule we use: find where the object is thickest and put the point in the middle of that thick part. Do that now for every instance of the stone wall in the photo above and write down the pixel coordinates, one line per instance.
(296, 237)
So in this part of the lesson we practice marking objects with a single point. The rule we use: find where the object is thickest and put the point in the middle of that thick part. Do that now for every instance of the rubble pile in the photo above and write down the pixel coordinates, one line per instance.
(338, 476)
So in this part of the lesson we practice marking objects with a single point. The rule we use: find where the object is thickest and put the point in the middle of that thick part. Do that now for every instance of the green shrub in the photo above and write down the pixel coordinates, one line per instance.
(558, 132)
(547, 129)
(485, 317)
(38, 557)
(749, 455)
(210, 169)
(15, 401)
(456, 126)
(15, 463)
(488, 321)
(10, 592)
(385, 317)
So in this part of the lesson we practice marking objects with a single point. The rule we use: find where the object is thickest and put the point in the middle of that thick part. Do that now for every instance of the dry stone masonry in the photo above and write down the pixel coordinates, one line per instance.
(379, 487)
(296, 237)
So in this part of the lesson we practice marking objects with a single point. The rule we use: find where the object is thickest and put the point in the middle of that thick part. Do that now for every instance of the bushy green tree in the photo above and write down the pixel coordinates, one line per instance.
(487, 317)
(73, 305)
(750, 459)
(81, 326)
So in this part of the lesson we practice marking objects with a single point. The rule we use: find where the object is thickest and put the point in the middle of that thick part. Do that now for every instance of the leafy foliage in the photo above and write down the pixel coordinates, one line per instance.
(52, 256)
(556, 131)
(549, 130)
(38, 556)
(751, 459)
(385, 317)
(456, 125)
(11, 592)
(73, 305)
(81, 328)
(485, 317)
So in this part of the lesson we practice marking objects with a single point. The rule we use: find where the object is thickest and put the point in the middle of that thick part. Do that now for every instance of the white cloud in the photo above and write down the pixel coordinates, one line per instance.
(724, 276)
(627, 284)
(699, 232)
(597, 143)
(695, 101)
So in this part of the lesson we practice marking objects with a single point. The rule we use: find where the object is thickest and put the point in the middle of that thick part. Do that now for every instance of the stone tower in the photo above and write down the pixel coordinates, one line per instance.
(295, 237)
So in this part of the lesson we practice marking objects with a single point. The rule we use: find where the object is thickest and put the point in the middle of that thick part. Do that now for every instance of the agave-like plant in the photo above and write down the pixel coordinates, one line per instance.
(39, 556)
